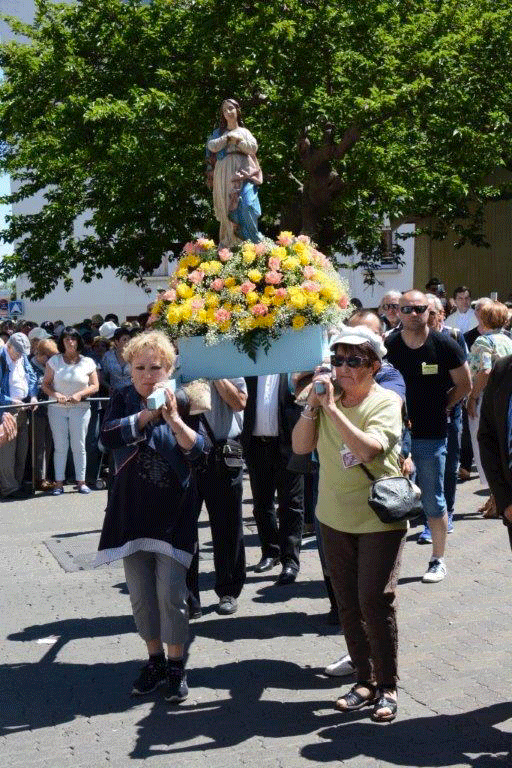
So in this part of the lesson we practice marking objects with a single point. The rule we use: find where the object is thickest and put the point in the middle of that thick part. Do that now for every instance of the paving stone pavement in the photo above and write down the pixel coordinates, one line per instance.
(258, 698)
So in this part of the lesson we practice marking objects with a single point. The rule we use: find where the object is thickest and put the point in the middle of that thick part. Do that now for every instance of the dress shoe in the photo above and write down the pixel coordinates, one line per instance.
(266, 564)
(287, 576)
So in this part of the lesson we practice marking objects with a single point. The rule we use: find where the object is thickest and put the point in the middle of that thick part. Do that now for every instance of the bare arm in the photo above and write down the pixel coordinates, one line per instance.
(461, 378)
(236, 399)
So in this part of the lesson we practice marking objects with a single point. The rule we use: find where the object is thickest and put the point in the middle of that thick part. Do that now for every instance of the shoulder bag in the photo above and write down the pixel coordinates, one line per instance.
(395, 498)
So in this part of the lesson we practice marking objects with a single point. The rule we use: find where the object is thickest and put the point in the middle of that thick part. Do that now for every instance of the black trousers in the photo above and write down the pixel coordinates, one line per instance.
(466, 449)
(221, 490)
(281, 535)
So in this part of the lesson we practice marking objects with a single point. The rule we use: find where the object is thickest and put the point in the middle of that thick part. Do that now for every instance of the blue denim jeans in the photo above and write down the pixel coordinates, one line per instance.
(429, 456)
(452, 457)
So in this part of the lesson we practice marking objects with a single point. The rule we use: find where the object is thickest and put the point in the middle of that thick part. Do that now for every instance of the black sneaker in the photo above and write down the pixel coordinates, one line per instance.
(152, 675)
(177, 688)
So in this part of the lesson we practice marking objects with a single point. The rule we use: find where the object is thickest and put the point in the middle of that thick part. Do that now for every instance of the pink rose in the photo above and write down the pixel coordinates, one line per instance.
(224, 255)
(203, 243)
(284, 239)
(197, 303)
(196, 276)
(259, 309)
(310, 285)
(343, 302)
(273, 277)
(222, 316)
(151, 319)
(274, 263)
(189, 248)
(169, 295)
(309, 272)
(304, 239)
(260, 249)
(281, 292)
(247, 286)
(217, 284)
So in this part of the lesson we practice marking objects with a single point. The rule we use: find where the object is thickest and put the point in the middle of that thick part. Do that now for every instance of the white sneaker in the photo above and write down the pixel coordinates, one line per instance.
(436, 572)
(340, 668)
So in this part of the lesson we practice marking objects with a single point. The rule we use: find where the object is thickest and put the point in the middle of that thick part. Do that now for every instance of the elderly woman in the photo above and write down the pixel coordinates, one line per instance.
(362, 425)
(490, 346)
(150, 519)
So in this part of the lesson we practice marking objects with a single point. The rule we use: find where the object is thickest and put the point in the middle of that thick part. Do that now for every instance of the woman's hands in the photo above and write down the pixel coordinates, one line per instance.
(169, 411)
(62, 399)
(73, 399)
(325, 400)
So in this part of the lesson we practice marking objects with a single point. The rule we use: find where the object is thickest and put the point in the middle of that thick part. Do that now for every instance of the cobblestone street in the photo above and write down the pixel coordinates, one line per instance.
(258, 696)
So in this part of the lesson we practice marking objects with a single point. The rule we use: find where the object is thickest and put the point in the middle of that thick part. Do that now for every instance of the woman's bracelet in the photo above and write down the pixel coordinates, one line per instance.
(308, 418)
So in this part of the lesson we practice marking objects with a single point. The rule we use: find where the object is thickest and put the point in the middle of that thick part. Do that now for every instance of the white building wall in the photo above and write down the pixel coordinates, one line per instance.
(399, 279)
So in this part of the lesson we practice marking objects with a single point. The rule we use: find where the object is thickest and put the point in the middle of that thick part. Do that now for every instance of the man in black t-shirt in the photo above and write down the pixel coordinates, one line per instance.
(436, 377)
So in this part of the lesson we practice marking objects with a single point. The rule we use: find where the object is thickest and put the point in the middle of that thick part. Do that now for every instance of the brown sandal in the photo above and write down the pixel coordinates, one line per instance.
(385, 701)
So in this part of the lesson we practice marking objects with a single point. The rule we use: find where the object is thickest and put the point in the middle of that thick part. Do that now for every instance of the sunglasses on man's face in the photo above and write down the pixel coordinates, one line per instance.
(353, 361)
(407, 310)
(386, 307)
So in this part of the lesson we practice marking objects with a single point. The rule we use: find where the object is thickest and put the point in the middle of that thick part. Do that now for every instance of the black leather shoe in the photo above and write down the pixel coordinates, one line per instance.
(266, 564)
(287, 576)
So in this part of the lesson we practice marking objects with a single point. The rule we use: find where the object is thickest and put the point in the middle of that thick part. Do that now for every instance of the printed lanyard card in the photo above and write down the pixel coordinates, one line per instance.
(348, 459)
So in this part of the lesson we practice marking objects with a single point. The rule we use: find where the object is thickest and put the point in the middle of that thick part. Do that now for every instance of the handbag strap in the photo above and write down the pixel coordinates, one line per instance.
(367, 472)
(209, 431)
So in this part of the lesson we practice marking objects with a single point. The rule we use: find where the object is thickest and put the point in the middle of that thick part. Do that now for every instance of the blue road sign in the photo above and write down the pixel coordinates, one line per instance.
(16, 308)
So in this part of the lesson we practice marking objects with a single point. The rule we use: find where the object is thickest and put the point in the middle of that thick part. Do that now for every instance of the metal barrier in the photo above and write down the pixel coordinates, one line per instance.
(32, 407)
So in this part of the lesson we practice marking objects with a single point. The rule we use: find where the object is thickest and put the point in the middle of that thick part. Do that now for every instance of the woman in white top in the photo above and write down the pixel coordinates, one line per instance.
(69, 378)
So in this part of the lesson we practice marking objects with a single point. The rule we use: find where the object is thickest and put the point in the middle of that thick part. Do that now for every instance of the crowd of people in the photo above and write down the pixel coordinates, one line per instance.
(419, 387)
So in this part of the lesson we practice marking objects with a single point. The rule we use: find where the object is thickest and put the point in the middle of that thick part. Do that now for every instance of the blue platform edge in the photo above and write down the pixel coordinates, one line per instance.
(293, 351)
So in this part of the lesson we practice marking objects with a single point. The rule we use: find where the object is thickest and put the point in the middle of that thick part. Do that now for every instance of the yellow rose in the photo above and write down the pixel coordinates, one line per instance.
(278, 253)
(267, 300)
(270, 319)
(227, 306)
(210, 267)
(252, 297)
(184, 291)
(269, 290)
(298, 322)
(202, 316)
(249, 257)
(312, 297)
(181, 272)
(290, 263)
(298, 300)
(254, 275)
(229, 282)
(186, 312)
(210, 315)
(211, 300)
(319, 306)
(157, 307)
(237, 309)
(173, 314)
(278, 301)
(304, 259)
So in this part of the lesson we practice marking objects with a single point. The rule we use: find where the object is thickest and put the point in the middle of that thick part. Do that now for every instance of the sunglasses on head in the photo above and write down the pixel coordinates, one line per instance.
(353, 361)
(407, 310)
(385, 307)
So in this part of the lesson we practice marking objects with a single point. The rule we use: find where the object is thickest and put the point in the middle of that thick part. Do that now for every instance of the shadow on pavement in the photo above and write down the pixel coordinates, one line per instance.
(439, 740)
(252, 699)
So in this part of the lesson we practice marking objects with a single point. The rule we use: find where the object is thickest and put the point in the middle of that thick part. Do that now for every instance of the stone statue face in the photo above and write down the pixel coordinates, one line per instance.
(229, 111)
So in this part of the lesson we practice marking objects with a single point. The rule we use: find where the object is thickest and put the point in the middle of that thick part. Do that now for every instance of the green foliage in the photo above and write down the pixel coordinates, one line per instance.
(106, 110)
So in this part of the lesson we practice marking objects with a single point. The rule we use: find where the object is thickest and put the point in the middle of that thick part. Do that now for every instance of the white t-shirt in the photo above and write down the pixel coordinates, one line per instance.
(69, 378)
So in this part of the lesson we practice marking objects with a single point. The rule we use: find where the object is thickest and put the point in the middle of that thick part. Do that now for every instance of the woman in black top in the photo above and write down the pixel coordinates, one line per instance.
(150, 521)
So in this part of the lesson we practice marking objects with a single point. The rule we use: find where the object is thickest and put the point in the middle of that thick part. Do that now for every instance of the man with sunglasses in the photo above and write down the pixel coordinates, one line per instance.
(436, 377)
(389, 310)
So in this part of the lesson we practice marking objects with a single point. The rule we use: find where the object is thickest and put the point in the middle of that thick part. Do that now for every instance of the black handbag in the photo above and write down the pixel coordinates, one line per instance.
(228, 451)
(394, 499)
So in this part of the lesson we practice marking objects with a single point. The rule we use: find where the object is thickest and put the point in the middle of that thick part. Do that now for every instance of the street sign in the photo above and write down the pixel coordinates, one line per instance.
(16, 308)
(4, 307)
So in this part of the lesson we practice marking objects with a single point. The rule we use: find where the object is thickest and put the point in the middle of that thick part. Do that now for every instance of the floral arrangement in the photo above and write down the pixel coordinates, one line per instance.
(251, 293)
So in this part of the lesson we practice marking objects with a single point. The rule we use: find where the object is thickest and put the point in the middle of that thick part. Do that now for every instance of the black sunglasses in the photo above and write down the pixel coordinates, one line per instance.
(385, 307)
(417, 310)
(353, 361)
